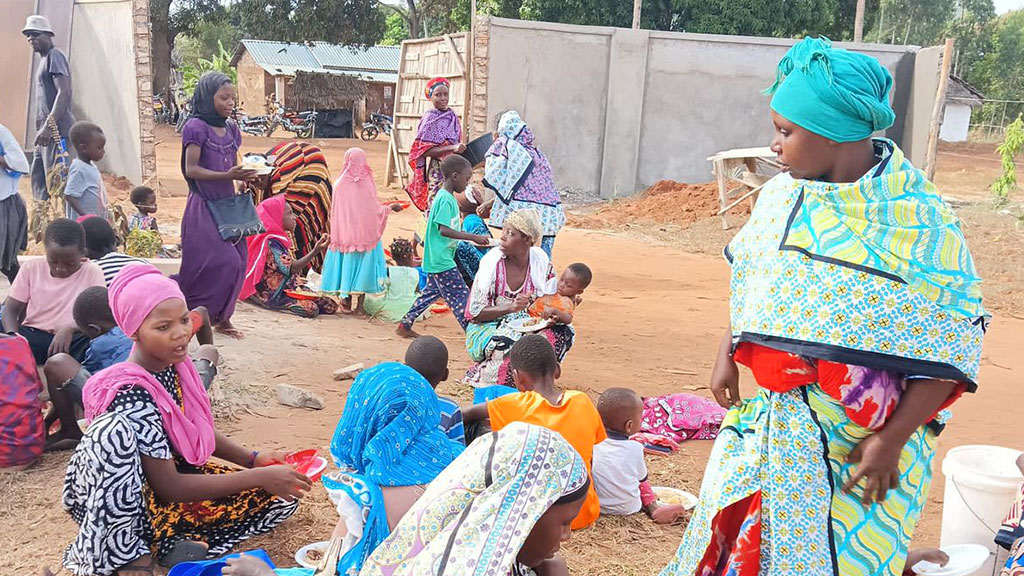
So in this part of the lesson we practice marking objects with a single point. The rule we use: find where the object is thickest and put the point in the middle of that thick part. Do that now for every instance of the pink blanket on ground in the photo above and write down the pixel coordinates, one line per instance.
(682, 417)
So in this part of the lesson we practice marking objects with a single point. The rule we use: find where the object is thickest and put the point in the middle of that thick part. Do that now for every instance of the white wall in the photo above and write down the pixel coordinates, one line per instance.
(616, 110)
(956, 123)
(103, 76)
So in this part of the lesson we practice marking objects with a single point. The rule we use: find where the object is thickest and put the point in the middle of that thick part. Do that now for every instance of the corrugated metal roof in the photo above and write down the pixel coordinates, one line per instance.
(373, 64)
(376, 58)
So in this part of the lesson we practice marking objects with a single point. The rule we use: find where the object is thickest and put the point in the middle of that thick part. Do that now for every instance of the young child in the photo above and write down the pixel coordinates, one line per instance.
(540, 401)
(468, 255)
(108, 345)
(84, 192)
(620, 474)
(429, 356)
(443, 278)
(101, 248)
(144, 200)
(561, 306)
(42, 297)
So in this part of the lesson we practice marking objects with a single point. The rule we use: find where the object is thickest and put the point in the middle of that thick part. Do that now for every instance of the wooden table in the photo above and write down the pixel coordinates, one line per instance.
(740, 174)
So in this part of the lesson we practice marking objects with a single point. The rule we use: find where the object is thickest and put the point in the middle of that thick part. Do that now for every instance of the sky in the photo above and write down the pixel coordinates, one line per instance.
(1007, 5)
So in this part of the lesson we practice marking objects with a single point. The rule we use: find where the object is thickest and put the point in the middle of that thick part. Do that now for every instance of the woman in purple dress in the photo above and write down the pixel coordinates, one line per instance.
(212, 270)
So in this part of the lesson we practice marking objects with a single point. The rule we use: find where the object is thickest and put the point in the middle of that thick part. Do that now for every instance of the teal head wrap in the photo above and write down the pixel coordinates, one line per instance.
(835, 93)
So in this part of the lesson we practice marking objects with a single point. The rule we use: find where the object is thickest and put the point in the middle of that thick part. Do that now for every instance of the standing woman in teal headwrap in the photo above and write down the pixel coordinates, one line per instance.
(856, 306)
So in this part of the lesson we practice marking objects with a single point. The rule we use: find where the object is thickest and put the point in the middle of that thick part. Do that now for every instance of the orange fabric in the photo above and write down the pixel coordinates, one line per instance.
(576, 419)
(197, 321)
(555, 301)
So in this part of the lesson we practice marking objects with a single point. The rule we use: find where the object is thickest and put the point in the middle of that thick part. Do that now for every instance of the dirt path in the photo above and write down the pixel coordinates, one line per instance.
(651, 321)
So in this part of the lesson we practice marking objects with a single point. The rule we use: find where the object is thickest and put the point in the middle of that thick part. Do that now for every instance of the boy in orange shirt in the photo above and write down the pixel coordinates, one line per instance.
(541, 402)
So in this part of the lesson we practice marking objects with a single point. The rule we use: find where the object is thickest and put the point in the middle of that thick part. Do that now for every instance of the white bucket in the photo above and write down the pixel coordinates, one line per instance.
(981, 484)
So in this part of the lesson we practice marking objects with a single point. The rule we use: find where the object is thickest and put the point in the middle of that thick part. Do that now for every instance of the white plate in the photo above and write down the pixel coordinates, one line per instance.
(689, 501)
(320, 547)
(519, 325)
(964, 559)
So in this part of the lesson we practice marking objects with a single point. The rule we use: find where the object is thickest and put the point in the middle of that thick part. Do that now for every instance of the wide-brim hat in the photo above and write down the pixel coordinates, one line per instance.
(37, 23)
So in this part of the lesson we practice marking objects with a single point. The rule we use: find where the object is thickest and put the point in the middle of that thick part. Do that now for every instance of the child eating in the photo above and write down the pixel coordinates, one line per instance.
(144, 200)
(65, 377)
(540, 401)
(443, 278)
(429, 356)
(560, 306)
(101, 248)
(42, 296)
(84, 191)
(620, 474)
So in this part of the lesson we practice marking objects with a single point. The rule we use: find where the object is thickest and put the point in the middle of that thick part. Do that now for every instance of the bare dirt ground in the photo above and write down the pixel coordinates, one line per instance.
(651, 321)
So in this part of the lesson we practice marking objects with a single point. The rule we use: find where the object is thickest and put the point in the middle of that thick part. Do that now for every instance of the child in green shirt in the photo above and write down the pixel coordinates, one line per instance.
(442, 236)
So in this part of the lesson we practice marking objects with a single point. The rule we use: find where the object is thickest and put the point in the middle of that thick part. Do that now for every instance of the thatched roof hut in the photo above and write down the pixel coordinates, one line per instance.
(326, 91)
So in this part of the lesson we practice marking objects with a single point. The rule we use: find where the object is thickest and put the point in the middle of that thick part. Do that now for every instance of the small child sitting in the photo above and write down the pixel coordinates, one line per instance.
(561, 306)
(101, 248)
(65, 377)
(620, 473)
(84, 190)
(540, 402)
(144, 200)
(429, 356)
(39, 306)
(143, 235)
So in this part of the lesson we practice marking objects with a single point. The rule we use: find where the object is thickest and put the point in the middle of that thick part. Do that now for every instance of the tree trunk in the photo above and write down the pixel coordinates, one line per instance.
(161, 54)
(415, 23)
(162, 42)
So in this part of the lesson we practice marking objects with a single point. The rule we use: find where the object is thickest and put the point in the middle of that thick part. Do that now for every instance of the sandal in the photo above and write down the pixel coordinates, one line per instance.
(62, 445)
(185, 551)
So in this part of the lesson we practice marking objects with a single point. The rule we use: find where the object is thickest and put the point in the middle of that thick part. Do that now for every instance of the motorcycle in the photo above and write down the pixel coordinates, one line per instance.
(253, 125)
(302, 124)
(378, 123)
(183, 115)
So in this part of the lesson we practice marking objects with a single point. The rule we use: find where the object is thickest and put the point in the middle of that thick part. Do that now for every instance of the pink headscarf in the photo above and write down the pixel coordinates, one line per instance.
(135, 291)
(357, 217)
(271, 212)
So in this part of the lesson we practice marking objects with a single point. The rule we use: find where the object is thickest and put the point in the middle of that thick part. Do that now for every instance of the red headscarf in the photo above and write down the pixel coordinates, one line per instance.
(434, 84)
(271, 212)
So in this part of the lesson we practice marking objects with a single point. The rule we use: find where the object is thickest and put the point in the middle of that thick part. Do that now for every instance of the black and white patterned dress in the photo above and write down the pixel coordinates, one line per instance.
(119, 517)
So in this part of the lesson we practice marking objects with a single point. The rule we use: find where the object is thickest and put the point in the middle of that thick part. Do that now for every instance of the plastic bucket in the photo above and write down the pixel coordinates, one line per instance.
(981, 484)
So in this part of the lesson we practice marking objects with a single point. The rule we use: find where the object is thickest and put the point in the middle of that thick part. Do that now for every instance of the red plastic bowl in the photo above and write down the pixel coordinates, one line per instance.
(307, 462)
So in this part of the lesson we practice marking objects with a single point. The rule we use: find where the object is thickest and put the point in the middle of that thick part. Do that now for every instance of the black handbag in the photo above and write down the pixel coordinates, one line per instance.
(235, 217)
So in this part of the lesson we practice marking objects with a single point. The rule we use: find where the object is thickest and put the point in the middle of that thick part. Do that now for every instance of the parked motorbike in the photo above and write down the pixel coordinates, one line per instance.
(183, 115)
(302, 124)
(253, 125)
(378, 123)
(165, 111)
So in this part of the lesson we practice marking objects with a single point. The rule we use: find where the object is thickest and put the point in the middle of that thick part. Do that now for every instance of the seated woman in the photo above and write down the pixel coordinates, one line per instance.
(300, 175)
(1011, 534)
(141, 480)
(271, 272)
(510, 277)
(390, 446)
(503, 508)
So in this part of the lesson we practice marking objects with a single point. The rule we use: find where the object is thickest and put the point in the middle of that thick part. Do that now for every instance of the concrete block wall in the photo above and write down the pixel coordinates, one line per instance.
(616, 110)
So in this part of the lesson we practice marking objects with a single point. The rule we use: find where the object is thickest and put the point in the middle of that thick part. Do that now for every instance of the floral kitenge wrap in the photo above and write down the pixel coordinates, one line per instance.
(841, 294)
(475, 517)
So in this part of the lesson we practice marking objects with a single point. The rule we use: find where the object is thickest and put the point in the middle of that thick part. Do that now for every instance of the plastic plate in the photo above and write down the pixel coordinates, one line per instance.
(668, 495)
(529, 324)
(301, 555)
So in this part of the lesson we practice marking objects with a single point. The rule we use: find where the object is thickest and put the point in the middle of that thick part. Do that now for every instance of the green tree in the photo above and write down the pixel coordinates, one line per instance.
(337, 21)
(168, 20)
(395, 29)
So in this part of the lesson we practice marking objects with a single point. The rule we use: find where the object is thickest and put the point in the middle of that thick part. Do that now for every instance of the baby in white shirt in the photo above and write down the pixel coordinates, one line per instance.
(619, 470)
